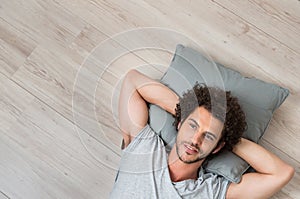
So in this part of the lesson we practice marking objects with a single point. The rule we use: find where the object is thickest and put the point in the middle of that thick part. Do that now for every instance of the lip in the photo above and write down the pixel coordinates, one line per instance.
(190, 149)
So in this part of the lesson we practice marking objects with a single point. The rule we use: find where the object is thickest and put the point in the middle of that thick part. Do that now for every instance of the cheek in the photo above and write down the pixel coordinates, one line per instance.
(209, 146)
(186, 130)
(181, 131)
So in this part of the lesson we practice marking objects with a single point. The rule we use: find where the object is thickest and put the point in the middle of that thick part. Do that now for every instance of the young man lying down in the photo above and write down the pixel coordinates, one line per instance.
(205, 125)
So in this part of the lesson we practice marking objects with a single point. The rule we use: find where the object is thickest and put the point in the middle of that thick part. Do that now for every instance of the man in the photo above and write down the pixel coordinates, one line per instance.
(205, 126)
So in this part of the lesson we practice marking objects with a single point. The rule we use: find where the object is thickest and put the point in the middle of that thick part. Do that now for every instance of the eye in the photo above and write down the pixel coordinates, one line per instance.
(209, 137)
(193, 126)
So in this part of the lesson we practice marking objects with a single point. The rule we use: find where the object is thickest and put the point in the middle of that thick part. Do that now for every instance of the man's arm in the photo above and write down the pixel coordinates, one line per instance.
(137, 89)
(272, 173)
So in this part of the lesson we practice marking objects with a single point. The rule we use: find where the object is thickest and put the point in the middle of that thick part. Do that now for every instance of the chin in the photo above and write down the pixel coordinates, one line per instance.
(191, 160)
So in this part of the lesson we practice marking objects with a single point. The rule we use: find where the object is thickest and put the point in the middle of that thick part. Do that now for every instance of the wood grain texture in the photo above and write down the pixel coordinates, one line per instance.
(42, 21)
(284, 127)
(62, 63)
(15, 48)
(13, 101)
(272, 17)
(240, 45)
(44, 156)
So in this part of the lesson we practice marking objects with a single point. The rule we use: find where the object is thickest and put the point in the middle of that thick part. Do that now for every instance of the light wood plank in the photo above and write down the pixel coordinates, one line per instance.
(234, 42)
(44, 75)
(116, 16)
(220, 32)
(15, 48)
(281, 195)
(284, 127)
(213, 28)
(44, 22)
(25, 132)
(46, 19)
(274, 17)
(55, 163)
(13, 101)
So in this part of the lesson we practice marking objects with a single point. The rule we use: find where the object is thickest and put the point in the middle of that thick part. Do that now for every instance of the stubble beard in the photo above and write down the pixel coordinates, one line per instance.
(201, 156)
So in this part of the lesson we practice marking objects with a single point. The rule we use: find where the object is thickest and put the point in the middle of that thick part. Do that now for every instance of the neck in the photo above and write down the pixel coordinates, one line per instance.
(182, 171)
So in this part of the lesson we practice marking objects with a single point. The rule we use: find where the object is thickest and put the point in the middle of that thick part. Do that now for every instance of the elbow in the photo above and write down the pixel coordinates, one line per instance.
(129, 80)
(287, 174)
(291, 172)
(132, 74)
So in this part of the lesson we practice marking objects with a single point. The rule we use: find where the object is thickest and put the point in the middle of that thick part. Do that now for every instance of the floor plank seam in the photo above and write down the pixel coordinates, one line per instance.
(108, 36)
(69, 12)
(20, 31)
(287, 155)
(4, 194)
(257, 28)
(5, 75)
(40, 100)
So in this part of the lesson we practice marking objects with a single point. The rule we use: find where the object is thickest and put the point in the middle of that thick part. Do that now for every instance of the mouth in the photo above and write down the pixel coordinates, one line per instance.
(190, 150)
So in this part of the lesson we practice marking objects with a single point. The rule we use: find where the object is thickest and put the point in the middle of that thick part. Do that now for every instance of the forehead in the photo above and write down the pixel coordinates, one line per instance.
(206, 121)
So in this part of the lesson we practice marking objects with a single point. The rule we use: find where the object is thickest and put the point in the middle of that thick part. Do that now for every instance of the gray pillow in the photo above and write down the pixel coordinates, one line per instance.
(258, 100)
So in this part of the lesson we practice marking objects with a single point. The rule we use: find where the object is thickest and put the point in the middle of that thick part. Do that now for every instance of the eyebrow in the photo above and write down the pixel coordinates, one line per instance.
(196, 123)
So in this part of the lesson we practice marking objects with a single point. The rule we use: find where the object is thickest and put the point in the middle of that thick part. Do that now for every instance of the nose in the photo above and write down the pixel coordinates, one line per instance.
(197, 138)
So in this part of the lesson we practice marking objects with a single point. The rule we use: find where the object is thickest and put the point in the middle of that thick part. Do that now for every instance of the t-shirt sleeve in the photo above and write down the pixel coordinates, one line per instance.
(217, 185)
(139, 155)
(145, 141)
(220, 187)
(143, 171)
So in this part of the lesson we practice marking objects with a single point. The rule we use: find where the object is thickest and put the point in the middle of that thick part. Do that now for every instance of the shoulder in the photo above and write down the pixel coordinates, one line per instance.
(145, 141)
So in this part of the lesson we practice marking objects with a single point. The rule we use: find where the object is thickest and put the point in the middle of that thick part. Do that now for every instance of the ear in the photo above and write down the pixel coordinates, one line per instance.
(179, 125)
(218, 148)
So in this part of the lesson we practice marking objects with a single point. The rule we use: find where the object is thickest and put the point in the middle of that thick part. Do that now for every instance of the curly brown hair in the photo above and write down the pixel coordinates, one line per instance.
(229, 112)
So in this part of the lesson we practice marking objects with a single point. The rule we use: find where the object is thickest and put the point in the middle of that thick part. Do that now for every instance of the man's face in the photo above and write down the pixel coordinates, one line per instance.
(198, 136)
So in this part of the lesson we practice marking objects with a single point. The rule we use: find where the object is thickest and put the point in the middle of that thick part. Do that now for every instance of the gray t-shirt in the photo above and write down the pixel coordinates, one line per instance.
(144, 173)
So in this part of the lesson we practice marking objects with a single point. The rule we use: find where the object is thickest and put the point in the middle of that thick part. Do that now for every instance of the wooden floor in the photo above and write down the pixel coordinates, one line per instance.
(61, 62)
